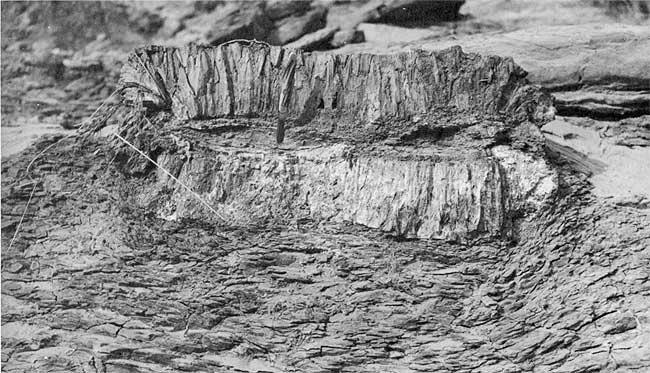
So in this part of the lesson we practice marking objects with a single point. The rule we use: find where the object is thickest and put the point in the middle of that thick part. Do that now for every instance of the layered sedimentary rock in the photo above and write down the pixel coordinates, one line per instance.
(598, 70)
(95, 284)
(417, 144)
(255, 80)
(276, 22)
(414, 194)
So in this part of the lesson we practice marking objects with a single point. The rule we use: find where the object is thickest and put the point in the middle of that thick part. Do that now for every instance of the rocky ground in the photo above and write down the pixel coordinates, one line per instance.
(118, 269)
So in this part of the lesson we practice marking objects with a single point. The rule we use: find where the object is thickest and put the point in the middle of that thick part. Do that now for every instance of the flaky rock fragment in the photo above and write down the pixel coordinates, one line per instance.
(316, 40)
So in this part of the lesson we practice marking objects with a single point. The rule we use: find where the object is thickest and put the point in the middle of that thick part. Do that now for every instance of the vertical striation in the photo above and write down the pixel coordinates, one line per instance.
(420, 144)
(255, 80)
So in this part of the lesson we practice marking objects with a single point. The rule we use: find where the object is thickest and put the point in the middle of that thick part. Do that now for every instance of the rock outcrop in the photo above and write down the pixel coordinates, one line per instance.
(351, 90)
(324, 261)
(95, 283)
(417, 144)
(592, 70)
(412, 194)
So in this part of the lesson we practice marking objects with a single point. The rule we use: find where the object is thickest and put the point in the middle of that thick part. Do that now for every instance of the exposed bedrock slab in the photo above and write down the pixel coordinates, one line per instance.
(592, 69)
(255, 80)
(96, 284)
(438, 144)
(409, 193)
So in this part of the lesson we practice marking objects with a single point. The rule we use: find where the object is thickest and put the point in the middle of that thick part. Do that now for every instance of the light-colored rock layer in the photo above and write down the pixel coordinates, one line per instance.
(407, 194)
(615, 157)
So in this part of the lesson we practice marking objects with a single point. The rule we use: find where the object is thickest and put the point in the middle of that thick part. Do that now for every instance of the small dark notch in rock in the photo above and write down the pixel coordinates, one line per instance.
(432, 133)
(279, 132)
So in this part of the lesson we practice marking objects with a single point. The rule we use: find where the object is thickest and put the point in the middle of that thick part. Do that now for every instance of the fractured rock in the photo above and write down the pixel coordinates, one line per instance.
(316, 40)
(255, 80)
(413, 194)
(292, 28)
(592, 69)
(446, 102)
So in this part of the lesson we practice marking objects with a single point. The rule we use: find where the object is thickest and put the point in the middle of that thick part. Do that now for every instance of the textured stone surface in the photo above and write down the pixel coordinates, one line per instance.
(230, 20)
(412, 194)
(400, 143)
(316, 40)
(255, 80)
(294, 27)
(95, 283)
(592, 69)
(276, 22)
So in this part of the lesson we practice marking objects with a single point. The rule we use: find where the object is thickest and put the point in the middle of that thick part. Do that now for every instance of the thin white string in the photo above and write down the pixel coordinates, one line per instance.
(31, 195)
(22, 217)
(206, 204)
(29, 166)
(68, 136)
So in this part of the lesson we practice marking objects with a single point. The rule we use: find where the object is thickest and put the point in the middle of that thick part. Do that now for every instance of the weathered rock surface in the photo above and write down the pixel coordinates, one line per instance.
(254, 80)
(614, 154)
(316, 40)
(412, 194)
(278, 22)
(292, 28)
(94, 283)
(228, 21)
(344, 19)
(597, 70)
(455, 107)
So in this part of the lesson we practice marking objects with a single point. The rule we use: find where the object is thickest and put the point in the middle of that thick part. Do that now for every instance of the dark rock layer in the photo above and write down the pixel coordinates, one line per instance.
(254, 80)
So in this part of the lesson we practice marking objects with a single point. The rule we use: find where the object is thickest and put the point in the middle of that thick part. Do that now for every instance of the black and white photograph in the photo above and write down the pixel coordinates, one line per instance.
(325, 186)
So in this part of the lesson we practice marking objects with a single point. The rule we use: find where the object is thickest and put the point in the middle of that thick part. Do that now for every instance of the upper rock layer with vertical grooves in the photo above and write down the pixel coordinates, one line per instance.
(255, 80)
